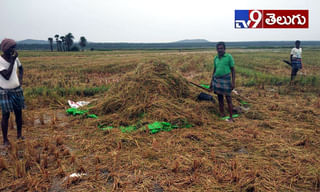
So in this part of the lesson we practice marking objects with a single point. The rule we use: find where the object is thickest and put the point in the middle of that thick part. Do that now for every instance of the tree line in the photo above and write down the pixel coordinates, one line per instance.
(66, 43)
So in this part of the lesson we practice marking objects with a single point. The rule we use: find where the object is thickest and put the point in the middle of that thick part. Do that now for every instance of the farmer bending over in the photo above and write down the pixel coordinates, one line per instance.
(295, 58)
(221, 78)
(11, 94)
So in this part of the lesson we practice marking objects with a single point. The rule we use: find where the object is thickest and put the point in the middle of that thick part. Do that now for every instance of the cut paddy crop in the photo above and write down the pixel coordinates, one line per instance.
(274, 146)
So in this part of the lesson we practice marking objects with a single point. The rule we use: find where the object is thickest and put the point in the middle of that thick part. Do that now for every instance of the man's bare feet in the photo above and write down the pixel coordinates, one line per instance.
(6, 143)
(230, 120)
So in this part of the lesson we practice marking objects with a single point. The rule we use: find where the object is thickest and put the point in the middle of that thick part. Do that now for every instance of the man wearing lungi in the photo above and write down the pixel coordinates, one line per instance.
(222, 84)
(11, 93)
(295, 58)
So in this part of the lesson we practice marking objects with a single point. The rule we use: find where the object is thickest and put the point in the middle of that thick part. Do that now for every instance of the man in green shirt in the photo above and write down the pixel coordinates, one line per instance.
(221, 82)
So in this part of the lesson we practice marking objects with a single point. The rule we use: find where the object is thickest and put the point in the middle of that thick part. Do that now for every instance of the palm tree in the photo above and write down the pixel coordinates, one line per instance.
(50, 39)
(83, 42)
(57, 40)
(63, 47)
(69, 40)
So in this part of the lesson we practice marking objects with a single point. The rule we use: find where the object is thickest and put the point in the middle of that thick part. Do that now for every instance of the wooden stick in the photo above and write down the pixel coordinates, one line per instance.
(208, 90)
(287, 62)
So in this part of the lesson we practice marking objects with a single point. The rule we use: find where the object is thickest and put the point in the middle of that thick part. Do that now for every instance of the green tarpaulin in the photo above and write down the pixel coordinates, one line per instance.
(228, 117)
(153, 127)
(165, 126)
(74, 112)
(105, 127)
(127, 129)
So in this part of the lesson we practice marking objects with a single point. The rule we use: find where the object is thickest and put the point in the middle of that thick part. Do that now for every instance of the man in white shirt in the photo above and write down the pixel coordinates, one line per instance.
(295, 58)
(11, 93)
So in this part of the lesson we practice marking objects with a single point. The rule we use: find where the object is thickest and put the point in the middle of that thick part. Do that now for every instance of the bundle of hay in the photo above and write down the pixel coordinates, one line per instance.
(153, 92)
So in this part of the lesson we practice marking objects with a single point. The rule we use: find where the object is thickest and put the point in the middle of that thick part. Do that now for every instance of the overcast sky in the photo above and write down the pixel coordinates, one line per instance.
(147, 20)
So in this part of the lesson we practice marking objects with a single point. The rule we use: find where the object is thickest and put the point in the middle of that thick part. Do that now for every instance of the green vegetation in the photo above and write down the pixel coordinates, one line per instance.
(64, 92)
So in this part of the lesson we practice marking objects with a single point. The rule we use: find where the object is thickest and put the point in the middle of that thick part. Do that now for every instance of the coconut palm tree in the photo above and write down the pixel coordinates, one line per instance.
(63, 47)
(50, 39)
(57, 40)
(69, 40)
(83, 42)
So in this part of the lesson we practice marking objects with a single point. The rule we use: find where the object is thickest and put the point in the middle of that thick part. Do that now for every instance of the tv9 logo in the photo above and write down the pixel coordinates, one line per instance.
(271, 19)
(248, 19)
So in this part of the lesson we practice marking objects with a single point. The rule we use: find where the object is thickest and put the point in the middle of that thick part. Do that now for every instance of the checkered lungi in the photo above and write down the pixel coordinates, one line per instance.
(296, 63)
(222, 85)
(11, 99)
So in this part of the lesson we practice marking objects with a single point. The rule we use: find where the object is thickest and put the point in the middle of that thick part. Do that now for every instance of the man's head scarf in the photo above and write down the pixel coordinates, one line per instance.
(7, 44)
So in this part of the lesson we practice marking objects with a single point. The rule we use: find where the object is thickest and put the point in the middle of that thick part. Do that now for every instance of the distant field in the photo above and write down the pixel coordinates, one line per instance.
(87, 73)
(274, 146)
(34, 45)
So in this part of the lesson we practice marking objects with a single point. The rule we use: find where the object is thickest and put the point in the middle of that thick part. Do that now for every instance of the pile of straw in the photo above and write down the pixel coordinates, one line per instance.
(153, 92)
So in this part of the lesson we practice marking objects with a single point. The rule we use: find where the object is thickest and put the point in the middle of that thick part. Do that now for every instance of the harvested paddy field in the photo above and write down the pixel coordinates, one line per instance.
(272, 146)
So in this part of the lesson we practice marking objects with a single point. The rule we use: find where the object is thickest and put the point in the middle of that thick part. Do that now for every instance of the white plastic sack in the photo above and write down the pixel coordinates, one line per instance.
(77, 104)
(77, 175)
(235, 92)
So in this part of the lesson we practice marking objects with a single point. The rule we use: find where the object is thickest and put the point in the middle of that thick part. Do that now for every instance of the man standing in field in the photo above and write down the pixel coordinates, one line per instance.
(221, 82)
(295, 58)
(11, 93)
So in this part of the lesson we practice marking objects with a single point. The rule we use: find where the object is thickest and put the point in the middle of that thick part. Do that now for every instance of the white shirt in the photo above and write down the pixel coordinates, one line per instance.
(13, 81)
(296, 53)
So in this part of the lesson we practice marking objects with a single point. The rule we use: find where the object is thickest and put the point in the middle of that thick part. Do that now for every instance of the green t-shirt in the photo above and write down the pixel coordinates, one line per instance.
(223, 64)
